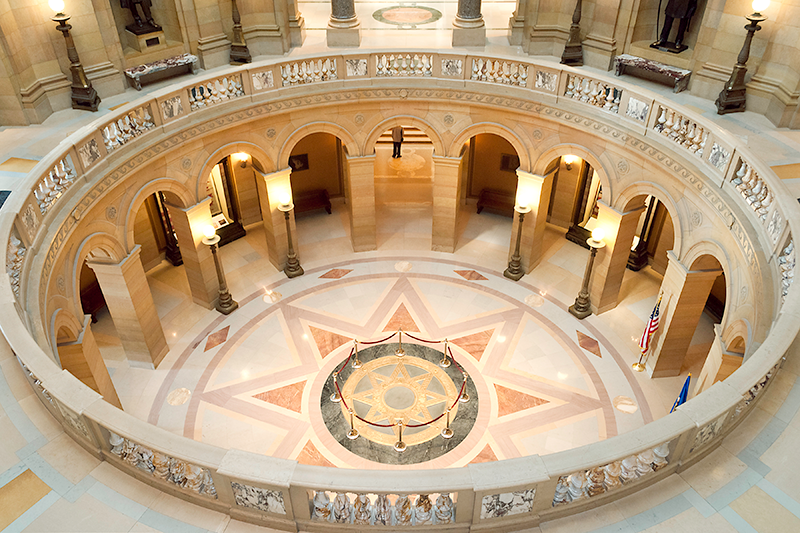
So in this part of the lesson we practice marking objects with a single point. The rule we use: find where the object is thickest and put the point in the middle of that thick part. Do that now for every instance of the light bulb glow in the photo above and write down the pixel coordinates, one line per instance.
(523, 200)
(240, 156)
(569, 159)
(209, 231)
(760, 5)
(57, 5)
(285, 198)
(598, 234)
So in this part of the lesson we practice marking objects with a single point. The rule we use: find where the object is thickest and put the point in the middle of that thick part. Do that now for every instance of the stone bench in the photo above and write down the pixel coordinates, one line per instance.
(161, 69)
(311, 200)
(651, 70)
(499, 201)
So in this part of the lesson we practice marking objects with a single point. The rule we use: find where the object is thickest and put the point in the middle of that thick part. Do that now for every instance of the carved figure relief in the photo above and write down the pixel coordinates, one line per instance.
(269, 501)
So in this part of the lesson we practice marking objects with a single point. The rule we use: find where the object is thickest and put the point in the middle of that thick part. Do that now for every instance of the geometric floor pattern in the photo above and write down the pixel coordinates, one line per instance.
(546, 381)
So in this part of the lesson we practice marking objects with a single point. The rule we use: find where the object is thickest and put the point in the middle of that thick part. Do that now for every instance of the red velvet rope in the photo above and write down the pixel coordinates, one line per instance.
(380, 341)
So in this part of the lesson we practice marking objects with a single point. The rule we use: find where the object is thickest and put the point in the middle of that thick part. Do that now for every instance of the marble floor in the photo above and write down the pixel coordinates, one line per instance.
(49, 484)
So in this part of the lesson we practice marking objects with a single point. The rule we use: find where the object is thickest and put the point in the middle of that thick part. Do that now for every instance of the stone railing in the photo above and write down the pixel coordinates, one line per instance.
(504, 494)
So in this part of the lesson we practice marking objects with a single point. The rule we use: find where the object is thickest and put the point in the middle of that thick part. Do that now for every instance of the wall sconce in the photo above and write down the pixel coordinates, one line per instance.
(569, 160)
(225, 303)
(241, 158)
(583, 305)
(83, 94)
(293, 268)
(732, 98)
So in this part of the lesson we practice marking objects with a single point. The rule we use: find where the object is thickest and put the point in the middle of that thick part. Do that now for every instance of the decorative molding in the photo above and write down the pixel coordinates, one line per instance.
(269, 501)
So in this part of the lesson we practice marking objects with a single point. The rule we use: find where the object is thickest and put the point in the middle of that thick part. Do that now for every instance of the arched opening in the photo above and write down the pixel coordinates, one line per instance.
(222, 187)
(489, 181)
(573, 197)
(403, 187)
(655, 235)
(319, 165)
(80, 355)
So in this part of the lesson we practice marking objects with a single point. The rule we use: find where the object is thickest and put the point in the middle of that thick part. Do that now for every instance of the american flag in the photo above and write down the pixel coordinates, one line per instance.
(650, 328)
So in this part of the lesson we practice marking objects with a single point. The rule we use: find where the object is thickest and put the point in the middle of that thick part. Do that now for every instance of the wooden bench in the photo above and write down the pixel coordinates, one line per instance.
(647, 69)
(161, 69)
(499, 201)
(311, 200)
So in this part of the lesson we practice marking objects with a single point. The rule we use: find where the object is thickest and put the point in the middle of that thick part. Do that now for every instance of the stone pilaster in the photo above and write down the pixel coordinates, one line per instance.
(83, 359)
(469, 29)
(536, 192)
(344, 29)
(197, 259)
(360, 186)
(131, 306)
(685, 295)
(446, 187)
(612, 260)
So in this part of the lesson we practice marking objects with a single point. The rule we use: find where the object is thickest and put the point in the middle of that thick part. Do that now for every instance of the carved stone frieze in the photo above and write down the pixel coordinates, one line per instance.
(269, 501)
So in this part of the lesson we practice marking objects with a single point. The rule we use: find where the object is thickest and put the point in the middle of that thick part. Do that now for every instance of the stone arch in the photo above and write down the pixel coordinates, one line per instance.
(399, 120)
(496, 129)
(317, 127)
(138, 198)
(99, 246)
(540, 165)
(622, 202)
(63, 320)
(261, 161)
(738, 330)
(700, 256)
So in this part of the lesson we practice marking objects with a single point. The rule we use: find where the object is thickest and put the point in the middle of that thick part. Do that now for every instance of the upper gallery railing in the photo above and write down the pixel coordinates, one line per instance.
(288, 495)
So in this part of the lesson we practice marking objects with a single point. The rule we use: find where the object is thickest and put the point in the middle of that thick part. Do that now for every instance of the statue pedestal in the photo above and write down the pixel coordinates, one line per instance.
(669, 46)
(145, 42)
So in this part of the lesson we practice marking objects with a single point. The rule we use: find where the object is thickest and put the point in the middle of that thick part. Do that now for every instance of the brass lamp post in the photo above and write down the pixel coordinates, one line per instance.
(83, 94)
(293, 268)
(583, 304)
(514, 270)
(225, 303)
(732, 98)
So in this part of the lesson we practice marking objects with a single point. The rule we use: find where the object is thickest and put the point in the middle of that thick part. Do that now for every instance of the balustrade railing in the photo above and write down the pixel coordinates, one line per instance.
(379, 509)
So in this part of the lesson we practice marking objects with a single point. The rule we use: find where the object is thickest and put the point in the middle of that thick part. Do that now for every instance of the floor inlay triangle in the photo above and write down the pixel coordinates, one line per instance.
(511, 401)
(487, 455)
(336, 273)
(401, 320)
(289, 397)
(470, 275)
(327, 341)
(589, 344)
(310, 455)
(217, 338)
(474, 344)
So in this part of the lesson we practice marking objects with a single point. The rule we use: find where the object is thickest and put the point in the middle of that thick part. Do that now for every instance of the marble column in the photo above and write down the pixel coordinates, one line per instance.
(469, 28)
(446, 189)
(83, 359)
(344, 29)
(685, 295)
(197, 259)
(272, 187)
(612, 260)
(536, 191)
(131, 306)
(360, 184)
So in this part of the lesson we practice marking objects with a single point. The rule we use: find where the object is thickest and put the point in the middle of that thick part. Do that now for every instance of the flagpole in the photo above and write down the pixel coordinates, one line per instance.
(639, 366)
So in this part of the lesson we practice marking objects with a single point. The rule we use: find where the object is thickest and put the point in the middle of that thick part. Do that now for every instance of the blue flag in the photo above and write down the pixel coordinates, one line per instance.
(683, 395)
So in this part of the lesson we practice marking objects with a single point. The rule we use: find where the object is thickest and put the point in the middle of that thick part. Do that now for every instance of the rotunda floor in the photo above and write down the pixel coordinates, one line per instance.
(253, 380)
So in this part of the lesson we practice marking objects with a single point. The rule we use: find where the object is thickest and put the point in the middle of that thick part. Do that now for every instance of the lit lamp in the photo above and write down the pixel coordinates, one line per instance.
(83, 94)
(293, 268)
(583, 305)
(239, 51)
(225, 303)
(732, 97)
(514, 270)
(569, 160)
(241, 158)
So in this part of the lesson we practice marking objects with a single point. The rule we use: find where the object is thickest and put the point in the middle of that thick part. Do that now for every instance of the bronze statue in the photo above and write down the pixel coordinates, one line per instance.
(140, 26)
(676, 9)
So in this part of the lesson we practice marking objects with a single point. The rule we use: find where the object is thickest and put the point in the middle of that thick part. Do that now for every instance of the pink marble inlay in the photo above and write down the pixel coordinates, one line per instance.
(217, 338)
(474, 344)
(487, 455)
(589, 344)
(336, 273)
(289, 397)
(511, 401)
(327, 341)
(470, 275)
(401, 320)
(310, 455)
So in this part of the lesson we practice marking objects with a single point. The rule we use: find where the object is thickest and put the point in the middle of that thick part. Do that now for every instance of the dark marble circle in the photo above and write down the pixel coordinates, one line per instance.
(339, 425)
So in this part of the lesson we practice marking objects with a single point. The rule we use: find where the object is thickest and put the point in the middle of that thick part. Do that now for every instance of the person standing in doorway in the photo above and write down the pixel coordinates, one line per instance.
(397, 140)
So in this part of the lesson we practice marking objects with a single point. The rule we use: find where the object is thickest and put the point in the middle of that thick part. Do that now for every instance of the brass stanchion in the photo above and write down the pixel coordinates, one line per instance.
(447, 433)
(400, 446)
(353, 433)
(399, 352)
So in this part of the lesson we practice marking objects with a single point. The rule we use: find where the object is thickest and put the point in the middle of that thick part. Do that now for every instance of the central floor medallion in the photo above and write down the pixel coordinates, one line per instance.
(387, 392)
(407, 17)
